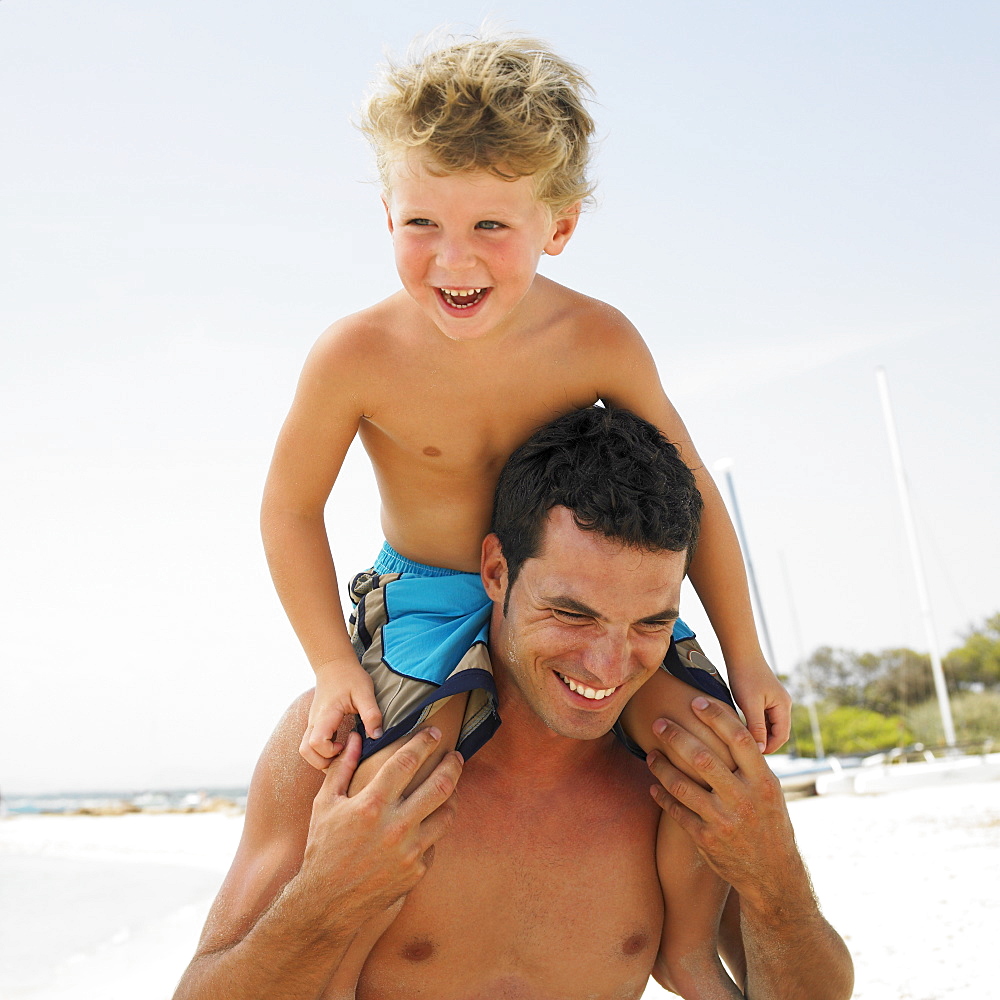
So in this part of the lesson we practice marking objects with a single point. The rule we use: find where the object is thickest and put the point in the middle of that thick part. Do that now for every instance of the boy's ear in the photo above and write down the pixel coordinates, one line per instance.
(388, 214)
(493, 568)
(563, 227)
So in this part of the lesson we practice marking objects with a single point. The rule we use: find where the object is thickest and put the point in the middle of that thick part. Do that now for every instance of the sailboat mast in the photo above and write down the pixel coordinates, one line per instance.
(918, 567)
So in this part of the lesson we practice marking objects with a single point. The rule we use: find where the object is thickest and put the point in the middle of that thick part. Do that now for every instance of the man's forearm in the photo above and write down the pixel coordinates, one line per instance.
(291, 953)
(792, 952)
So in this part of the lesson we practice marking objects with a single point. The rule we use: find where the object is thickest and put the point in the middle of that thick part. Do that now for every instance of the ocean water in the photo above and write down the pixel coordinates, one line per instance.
(163, 800)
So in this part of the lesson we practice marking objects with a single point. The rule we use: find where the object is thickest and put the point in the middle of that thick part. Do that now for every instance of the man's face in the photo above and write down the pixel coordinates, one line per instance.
(589, 620)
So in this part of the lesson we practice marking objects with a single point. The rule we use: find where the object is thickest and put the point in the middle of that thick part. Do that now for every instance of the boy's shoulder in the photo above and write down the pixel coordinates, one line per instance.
(589, 322)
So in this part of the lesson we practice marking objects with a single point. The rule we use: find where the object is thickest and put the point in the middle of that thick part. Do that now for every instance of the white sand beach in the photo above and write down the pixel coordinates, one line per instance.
(109, 908)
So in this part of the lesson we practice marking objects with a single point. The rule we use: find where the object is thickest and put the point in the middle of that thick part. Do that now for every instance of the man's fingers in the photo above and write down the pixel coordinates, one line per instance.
(690, 753)
(688, 821)
(678, 786)
(399, 770)
(732, 732)
(435, 826)
(436, 788)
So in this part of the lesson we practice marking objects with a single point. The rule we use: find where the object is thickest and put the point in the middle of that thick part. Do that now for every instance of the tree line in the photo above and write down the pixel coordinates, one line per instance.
(874, 701)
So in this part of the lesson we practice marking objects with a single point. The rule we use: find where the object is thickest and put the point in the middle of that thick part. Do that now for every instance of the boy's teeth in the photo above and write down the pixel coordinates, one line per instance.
(462, 298)
(586, 691)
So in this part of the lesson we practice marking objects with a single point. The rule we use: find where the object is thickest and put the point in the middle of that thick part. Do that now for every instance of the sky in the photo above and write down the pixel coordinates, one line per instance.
(789, 196)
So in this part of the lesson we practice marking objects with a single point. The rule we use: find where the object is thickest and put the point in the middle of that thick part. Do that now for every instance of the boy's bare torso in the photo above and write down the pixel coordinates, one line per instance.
(534, 893)
(438, 418)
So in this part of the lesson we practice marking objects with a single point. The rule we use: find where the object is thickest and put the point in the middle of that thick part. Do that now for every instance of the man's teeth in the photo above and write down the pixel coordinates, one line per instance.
(586, 691)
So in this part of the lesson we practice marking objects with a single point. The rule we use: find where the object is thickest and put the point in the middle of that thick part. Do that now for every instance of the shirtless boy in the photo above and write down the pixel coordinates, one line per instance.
(482, 149)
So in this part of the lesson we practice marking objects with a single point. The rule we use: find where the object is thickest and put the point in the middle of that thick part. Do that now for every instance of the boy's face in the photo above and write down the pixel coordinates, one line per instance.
(467, 245)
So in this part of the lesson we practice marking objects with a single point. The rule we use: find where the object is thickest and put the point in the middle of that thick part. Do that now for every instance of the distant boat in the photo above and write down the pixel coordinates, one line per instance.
(911, 767)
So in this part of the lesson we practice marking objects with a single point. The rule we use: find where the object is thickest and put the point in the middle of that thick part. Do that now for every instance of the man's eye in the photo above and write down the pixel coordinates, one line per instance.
(570, 616)
(656, 626)
(490, 224)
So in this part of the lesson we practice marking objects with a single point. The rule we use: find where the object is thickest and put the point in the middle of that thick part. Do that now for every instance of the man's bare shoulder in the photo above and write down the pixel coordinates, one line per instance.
(283, 784)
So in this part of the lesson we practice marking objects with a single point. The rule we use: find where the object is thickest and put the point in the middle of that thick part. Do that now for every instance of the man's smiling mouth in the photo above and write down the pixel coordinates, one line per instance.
(462, 298)
(587, 692)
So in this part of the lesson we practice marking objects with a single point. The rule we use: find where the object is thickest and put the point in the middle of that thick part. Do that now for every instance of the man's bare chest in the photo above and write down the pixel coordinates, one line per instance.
(553, 902)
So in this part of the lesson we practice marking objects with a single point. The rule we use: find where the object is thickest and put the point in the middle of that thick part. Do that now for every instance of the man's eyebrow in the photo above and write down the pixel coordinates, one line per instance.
(578, 607)
(571, 604)
(669, 615)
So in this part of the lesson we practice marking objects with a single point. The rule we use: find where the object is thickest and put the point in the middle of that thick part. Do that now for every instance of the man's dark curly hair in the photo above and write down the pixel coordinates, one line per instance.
(617, 474)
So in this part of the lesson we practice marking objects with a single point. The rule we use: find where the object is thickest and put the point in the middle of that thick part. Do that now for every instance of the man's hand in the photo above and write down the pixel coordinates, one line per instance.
(371, 849)
(343, 688)
(742, 830)
(738, 821)
(765, 704)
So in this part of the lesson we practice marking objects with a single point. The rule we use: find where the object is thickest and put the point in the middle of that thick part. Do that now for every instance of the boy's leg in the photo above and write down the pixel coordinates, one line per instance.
(693, 897)
(447, 715)
(665, 696)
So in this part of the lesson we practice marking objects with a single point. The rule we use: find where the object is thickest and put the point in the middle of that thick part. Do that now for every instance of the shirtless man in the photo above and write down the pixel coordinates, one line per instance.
(537, 877)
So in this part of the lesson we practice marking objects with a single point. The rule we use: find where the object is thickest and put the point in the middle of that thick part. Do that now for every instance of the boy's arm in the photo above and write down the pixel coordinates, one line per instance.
(308, 456)
(316, 869)
(717, 570)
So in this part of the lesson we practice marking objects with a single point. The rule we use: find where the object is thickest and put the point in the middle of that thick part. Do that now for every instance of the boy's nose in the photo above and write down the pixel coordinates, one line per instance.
(455, 255)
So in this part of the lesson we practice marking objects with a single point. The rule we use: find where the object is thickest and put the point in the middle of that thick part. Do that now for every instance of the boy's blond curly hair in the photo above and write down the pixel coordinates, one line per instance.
(504, 103)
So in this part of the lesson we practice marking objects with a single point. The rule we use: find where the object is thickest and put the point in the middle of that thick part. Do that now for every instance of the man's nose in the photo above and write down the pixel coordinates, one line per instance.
(608, 659)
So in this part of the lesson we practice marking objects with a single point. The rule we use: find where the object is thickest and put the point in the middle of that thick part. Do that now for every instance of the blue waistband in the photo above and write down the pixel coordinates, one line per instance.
(390, 561)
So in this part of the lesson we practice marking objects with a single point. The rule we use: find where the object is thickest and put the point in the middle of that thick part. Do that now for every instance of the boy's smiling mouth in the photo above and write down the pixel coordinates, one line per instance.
(462, 298)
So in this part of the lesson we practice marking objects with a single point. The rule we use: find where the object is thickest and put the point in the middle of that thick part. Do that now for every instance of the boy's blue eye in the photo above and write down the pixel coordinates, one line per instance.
(489, 224)
(419, 222)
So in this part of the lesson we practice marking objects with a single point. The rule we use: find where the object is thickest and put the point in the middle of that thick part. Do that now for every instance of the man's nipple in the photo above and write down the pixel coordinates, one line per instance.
(432, 451)
(418, 951)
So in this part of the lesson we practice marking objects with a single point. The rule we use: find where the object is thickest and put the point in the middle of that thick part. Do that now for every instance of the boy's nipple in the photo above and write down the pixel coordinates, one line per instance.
(432, 451)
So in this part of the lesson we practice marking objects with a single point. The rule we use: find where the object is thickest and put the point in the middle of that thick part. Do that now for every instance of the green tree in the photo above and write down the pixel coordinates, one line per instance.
(847, 729)
(976, 716)
(901, 678)
(977, 660)
(836, 676)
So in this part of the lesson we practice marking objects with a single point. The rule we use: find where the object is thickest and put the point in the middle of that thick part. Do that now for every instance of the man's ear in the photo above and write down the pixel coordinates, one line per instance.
(493, 569)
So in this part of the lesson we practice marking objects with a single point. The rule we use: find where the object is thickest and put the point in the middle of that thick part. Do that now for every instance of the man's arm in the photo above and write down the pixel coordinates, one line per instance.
(314, 867)
(743, 831)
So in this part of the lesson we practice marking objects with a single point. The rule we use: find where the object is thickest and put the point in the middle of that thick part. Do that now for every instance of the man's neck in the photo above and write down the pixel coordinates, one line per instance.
(526, 747)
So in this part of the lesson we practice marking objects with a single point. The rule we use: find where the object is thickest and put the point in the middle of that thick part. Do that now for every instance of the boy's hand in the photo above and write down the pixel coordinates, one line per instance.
(342, 688)
(765, 704)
